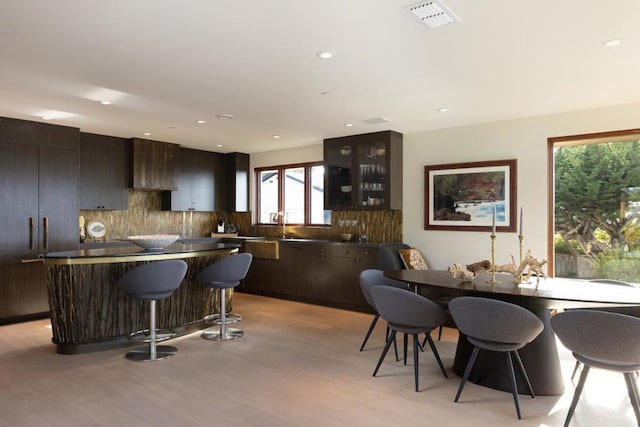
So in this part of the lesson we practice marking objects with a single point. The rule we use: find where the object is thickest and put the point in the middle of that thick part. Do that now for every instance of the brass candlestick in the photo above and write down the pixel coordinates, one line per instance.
(521, 239)
(493, 280)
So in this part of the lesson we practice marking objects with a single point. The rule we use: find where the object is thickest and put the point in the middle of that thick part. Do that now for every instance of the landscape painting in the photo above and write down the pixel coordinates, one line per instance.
(476, 196)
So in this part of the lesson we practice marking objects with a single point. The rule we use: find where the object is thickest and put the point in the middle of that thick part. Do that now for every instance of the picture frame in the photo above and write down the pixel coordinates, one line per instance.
(463, 196)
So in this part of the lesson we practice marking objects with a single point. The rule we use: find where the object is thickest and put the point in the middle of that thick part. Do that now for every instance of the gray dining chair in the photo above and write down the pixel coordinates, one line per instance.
(389, 259)
(604, 340)
(498, 326)
(631, 310)
(411, 314)
(368, 279)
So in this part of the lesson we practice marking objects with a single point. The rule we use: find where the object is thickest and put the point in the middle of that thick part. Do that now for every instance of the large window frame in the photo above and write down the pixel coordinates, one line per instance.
(582, 139)
(280, 169)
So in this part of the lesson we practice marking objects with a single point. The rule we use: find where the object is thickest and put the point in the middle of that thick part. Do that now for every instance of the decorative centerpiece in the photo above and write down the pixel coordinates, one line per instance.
(459, 272)
(154, 242)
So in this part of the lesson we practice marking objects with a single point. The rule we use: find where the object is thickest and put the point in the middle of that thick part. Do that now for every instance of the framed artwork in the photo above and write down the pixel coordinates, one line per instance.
(475, 196)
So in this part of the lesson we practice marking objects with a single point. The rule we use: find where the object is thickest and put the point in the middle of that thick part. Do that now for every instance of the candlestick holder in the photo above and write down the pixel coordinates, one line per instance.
(493, 280)
(521, 239)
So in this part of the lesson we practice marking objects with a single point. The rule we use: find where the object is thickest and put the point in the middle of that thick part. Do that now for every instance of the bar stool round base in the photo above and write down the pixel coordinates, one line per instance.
(214, 319)
(215, 335)
(145, 335)
(143, 354)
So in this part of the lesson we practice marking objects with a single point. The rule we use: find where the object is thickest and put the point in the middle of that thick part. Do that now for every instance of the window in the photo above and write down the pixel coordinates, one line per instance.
(293, 191)
(596, 230)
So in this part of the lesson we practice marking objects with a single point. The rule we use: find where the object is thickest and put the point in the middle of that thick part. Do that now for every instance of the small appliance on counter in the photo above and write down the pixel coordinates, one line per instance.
(221, 226)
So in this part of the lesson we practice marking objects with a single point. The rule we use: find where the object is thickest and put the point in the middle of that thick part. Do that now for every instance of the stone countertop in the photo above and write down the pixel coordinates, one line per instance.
(126, 252)
(236, 239)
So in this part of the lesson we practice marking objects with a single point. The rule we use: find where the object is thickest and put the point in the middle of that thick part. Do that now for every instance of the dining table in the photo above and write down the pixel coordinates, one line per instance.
(542, 296)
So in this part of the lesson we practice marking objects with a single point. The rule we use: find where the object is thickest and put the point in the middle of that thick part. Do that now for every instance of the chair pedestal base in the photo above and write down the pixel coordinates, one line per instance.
(145, 354)
(222, 334)
(145, 335)
(216, 319)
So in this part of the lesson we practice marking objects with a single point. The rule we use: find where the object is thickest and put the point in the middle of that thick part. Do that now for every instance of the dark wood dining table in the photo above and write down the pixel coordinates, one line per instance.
(540, 357)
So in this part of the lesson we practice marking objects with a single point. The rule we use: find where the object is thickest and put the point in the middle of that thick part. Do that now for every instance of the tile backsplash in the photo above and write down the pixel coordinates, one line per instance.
(145, 216)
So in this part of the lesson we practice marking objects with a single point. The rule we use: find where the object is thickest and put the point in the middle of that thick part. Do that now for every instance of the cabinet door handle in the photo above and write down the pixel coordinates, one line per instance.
(31, 260)
(31, 225)
(45, 224)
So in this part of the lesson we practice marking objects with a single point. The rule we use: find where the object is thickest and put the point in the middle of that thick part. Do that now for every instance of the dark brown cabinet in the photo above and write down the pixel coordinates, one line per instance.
(156, 165)
(363, 171)
(237, 182)
(103, 172)
(314, 272)
(202, 183)
(39, 210)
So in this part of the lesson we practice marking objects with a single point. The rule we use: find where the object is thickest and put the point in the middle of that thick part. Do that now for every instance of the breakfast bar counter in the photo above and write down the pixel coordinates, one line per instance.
(89, 313)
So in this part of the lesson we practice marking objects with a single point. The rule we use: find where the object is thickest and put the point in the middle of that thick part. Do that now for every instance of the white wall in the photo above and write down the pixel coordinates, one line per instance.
(523, 139)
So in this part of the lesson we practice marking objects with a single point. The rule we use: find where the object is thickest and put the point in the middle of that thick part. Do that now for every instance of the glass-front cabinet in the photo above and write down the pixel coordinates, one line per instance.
(363, 171)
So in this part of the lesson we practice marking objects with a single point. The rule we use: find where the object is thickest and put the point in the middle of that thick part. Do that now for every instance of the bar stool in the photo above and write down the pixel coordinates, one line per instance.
(152, 282)
(223, 275)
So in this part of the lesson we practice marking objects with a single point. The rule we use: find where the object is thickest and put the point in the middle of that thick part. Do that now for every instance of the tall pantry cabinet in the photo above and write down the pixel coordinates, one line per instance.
(38, 207)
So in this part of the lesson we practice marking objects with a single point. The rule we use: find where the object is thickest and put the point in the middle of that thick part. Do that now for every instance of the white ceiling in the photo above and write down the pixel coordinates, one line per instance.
(165, 64)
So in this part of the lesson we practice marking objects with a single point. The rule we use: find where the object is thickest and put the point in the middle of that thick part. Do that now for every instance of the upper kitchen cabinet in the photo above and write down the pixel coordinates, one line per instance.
(156, 165)
(363, 171)
(237, 182)
(202, 183)
(103, 172)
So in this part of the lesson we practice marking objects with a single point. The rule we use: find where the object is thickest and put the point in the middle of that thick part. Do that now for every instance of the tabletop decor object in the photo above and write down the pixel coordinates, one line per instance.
(533, 266)
(493, 280)
(457, 271)
(153, 242)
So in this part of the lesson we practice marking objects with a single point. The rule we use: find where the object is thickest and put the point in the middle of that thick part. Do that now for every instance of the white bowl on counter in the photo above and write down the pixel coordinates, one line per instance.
(154, 242)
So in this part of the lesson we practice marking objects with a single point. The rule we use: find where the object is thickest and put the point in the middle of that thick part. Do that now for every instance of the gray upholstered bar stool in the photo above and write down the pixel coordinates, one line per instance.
(151, 282)
(224, 274)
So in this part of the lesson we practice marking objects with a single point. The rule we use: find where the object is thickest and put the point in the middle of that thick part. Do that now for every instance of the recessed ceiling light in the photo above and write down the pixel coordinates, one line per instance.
(147, 134)
(200, 121)
(325, 55)
(219, 145)
(105, 102)
(612, 43)
(443, 109)
(275, 136)
(225, 116)
(348, 124)
(45, 118)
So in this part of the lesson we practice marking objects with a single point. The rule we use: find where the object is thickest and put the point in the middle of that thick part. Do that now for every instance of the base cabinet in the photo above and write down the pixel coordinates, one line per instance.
(318, 273)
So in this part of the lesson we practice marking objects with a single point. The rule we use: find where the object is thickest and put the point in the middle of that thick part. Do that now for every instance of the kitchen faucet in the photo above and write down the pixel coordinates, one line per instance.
(281, 214)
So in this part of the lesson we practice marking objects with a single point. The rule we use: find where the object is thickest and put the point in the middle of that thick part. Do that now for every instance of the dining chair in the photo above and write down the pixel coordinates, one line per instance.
(604, 340)
(368, 279)
(411, 314)
(389, 259)
(499, 326)
(631, 311)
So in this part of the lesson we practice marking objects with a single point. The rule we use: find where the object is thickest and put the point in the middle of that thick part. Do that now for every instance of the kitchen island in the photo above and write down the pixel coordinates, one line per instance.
(89, 313)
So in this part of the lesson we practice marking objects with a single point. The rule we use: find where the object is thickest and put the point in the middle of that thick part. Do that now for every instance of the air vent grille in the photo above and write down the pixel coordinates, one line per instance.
(433, 13)
(376, 120)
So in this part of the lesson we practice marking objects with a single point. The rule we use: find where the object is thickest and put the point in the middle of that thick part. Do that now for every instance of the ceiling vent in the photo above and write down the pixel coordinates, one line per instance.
(433, 13)
(376, 120)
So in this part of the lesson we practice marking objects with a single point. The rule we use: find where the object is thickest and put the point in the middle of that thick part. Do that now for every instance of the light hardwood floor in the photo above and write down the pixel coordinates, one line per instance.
(297, 365)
